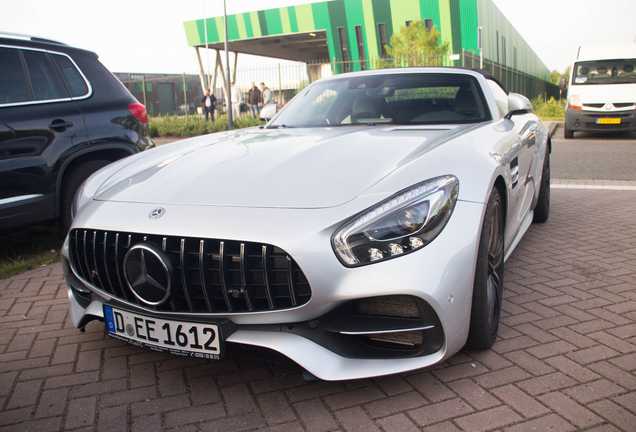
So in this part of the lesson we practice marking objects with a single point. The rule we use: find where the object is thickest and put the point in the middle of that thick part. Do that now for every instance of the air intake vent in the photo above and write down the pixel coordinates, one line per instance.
(209, 275)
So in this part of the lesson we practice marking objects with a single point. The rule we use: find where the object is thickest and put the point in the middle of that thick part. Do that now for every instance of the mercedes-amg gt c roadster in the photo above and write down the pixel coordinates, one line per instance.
(362, 231)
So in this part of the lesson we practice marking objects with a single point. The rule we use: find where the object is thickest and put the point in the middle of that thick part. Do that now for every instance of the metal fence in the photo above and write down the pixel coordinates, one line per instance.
(181, 94)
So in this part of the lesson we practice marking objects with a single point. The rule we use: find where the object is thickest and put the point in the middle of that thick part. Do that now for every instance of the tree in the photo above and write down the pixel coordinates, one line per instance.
(555, 75)
(414, 45)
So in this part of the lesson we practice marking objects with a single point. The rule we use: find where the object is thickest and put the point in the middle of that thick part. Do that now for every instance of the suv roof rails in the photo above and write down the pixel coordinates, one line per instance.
(9, 35)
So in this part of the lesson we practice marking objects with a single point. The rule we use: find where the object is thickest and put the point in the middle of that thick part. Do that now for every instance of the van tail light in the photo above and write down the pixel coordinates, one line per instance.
(139, 112)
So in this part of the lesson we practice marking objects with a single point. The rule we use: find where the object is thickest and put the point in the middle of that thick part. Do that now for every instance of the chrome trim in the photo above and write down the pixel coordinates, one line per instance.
(266, 278)
(19, 198)
(67, 99)
(358, 333)
(202, 274)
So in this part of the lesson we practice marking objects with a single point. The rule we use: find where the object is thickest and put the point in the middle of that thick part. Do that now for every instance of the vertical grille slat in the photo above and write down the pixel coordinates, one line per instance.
(223, 279)
(182, 253)
(290, 278)
(245, 290)
(105, 260)
(118, 264)
(88, 268)
(101, 283)
(244, 277)
(268, 289)
(204, 285)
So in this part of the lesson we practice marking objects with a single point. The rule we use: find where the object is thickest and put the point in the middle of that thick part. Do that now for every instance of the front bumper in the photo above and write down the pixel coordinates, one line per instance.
(581, 120)
(440, 276)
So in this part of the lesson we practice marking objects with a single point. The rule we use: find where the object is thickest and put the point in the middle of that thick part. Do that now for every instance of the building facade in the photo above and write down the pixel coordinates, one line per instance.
(358, 30)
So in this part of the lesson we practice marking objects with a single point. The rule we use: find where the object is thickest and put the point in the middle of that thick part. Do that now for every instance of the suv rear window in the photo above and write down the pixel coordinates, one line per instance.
(13, 83)
(71, 76)
(44, 80)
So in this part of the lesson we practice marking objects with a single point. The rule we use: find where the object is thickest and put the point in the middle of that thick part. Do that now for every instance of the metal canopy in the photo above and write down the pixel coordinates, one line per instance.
(303, 47)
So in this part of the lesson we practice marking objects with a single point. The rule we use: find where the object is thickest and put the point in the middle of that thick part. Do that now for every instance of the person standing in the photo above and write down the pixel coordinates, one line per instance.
(254, 99)
(267, 97)
(208, 105)
(237, 99)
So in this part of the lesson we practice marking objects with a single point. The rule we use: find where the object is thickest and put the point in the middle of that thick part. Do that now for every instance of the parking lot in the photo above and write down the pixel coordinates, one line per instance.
(565, 360)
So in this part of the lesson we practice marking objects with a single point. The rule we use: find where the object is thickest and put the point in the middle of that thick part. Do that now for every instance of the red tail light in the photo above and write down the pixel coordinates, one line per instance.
(139, 112)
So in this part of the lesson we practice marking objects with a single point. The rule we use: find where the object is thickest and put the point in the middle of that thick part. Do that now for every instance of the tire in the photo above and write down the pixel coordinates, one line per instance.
(567, 133)
(489, 272)
(542, 210)
(71, 183)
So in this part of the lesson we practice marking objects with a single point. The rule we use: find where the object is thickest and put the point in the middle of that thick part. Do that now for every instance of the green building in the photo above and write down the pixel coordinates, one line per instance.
(351, 34)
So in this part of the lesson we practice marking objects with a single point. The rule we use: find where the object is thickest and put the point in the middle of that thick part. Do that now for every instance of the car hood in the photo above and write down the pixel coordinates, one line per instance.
(615, 93)
(285, 168)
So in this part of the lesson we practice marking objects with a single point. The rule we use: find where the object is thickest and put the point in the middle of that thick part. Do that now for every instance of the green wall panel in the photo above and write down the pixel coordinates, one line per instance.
(293, 22)
(403, 11)
(284, 20)
(274, 24)
(256, 24)
(232, 28)
(263, 23)
(370, 30)
(469, 21)
(248, 25)
(240, 24)
(382, 14)
(338, 15)
(429, 9)
(305, 18)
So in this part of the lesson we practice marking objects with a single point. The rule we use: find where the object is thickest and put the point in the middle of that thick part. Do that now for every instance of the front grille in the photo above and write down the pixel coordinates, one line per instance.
(624, 105)
(594, 105)
(209, 275)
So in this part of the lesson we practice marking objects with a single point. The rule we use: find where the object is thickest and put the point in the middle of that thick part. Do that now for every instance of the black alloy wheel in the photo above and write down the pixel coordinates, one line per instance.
(488, 286)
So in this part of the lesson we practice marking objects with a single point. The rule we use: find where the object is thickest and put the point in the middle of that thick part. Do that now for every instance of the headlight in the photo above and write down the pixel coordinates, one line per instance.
(575, 102)
(399, 225)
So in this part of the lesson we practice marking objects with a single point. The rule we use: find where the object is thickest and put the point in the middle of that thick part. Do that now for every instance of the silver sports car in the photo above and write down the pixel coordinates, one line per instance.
(362, 232)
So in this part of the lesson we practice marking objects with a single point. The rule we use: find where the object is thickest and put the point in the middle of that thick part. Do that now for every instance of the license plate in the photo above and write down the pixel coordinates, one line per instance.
(177, 337)
(608, 121)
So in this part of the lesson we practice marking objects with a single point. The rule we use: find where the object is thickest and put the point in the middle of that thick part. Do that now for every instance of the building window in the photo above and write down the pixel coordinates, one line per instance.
(138, 87)
(343, 48)
(360, 42)
(514, 57)
(382, 38)
(497, 39)
(428, 23)
(503, 50)
(148, 87)
(408, 23)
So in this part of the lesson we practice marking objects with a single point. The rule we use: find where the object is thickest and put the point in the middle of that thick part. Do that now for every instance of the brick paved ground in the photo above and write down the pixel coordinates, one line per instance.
(566, 358)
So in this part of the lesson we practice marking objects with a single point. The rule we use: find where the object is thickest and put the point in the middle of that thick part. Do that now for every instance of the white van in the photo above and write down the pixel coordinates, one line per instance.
(602, 90)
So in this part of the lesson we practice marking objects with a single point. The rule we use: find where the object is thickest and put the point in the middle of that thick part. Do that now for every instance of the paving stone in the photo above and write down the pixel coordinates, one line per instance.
(571, 410)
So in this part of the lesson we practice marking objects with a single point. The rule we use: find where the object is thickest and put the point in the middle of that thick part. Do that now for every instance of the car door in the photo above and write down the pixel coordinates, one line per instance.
(38, 123)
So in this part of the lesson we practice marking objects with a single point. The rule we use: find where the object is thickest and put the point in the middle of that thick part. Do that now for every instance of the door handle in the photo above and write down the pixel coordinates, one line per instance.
(60, 125)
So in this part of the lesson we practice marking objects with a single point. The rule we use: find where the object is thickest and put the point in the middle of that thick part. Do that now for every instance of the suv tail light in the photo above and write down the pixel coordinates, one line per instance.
(139, 112)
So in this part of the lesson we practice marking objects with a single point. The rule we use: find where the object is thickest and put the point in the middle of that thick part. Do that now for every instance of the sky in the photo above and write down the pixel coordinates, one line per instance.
(148, 36)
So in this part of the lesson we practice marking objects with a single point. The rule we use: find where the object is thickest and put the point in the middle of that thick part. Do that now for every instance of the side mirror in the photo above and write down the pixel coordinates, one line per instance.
(563, 83)
(269, 111)
(518, 104)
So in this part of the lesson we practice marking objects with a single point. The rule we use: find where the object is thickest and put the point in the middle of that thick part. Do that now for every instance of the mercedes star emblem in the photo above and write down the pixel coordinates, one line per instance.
(157, 213)
(148, 271)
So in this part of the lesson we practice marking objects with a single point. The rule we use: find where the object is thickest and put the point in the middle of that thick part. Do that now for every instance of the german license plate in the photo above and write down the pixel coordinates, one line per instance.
(608, 121)
(176, 337)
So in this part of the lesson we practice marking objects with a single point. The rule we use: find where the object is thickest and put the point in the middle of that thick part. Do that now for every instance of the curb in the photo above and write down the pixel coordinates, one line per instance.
(554, 126)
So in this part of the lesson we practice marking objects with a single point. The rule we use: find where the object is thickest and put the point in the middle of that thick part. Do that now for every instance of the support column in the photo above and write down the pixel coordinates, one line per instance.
(235, 61)
(202, 77)
(219, 65)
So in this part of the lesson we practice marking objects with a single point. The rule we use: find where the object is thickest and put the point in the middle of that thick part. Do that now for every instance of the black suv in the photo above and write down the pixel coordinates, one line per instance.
(63, 116)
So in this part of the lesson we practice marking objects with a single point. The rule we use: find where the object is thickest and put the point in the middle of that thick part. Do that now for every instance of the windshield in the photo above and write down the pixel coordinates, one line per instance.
(402, 99)
(604, 72)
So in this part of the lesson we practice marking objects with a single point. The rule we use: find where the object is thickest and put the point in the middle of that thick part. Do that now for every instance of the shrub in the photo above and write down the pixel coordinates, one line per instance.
(183, 127)
(553, 109)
